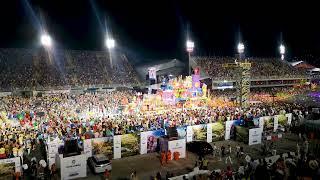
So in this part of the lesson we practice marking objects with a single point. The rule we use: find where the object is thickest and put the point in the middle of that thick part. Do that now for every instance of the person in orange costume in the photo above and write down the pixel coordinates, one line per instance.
(163, 158)
(168, 156)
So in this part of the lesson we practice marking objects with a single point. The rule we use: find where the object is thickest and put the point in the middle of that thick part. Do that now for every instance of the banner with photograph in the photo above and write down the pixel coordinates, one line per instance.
(229, 132)
(7, 165)
(73, 167)
(182, 132)
(266, 122)
(255, 136)
(130, 144)
(199, 132)
(177, 146)
(149, 141)
(282, 121)
(217, 131)
(102, 145)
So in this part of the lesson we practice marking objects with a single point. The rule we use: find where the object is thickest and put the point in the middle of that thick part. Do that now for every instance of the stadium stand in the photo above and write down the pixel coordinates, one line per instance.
(262, 68)
(34, 69)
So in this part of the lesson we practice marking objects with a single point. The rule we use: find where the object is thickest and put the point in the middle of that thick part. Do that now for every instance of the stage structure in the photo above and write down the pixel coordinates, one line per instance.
(243, 81)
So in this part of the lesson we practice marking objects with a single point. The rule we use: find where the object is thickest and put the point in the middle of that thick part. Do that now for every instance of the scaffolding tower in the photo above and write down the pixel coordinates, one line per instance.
(242, 70)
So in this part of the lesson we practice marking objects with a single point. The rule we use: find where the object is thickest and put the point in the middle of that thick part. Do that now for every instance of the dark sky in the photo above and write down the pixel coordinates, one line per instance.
(157, 29)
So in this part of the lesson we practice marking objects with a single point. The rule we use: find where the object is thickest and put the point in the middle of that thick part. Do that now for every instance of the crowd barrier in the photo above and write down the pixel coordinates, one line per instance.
(119, 146)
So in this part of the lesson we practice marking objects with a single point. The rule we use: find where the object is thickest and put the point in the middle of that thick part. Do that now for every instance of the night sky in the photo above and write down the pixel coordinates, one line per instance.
(157, 29)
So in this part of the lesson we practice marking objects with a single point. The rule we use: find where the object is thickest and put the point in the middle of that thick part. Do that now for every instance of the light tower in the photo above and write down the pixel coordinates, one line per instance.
(282, 50)
(110, 44)
(190, 47)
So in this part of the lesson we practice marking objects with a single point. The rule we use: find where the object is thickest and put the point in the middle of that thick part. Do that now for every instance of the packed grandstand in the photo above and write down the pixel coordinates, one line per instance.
(35, 69)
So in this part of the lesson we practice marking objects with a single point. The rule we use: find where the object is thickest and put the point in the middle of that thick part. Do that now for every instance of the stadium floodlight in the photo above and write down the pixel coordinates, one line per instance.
(282, 49)
(110, 43)
(240, 48)
(46, 40)
(190, 45)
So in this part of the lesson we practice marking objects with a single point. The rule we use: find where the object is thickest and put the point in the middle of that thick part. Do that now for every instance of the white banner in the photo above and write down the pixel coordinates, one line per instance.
(152, 73)
(73, 167)
(117, 147)
(275, 123)
(4, 94)
(53, 147)
(255, 136)
(189, 134)
(289, 118)
(178, 146)
(144, 142)
(228, 129)
(261, 122)
(209, 132)
(87, 147)
(16, 162)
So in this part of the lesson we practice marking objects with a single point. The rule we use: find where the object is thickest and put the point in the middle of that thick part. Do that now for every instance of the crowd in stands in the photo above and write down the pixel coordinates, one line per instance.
(261, 68)
(28, 69)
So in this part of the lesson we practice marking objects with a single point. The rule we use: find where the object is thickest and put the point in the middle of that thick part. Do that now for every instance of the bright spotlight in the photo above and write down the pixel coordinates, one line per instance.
(282, 49)
(110, 43)
(240, 48)
(46, 40)
(190, 45)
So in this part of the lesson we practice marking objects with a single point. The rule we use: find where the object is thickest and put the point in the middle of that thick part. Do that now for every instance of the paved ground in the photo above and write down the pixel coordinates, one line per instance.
(148, 165)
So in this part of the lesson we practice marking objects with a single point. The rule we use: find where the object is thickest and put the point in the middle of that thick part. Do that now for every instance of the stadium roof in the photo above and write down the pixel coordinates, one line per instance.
(161, 66)
(302, 65)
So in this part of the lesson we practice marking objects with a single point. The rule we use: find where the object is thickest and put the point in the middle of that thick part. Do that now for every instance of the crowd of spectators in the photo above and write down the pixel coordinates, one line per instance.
(26, 122)
(261, 68)
(28, 69)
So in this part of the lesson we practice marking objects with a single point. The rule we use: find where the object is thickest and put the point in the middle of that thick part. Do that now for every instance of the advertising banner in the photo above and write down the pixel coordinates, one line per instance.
(130, 144)
(266, 122)
(289, 118)
(182, 132)
(255, 136)
(215, 132)
(209, 132)
(6, 166)
(102, 145)
(73, 167)
(178, 146)
(53, 150)
(152, 73)
(229, 125)
(117, 147)
(282, 121)
(189, 134)
(199, 132)
(87, 147)
(149, 141)
(275, 123)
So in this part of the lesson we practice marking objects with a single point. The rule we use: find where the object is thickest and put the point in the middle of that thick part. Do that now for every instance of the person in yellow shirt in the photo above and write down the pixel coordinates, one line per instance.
(2, 152)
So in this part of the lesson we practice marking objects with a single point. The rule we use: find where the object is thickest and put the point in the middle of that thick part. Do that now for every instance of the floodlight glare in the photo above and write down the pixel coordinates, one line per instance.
(110, 43)
(46, 40)
(282, 49)
(190, 45)
(240, 48)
